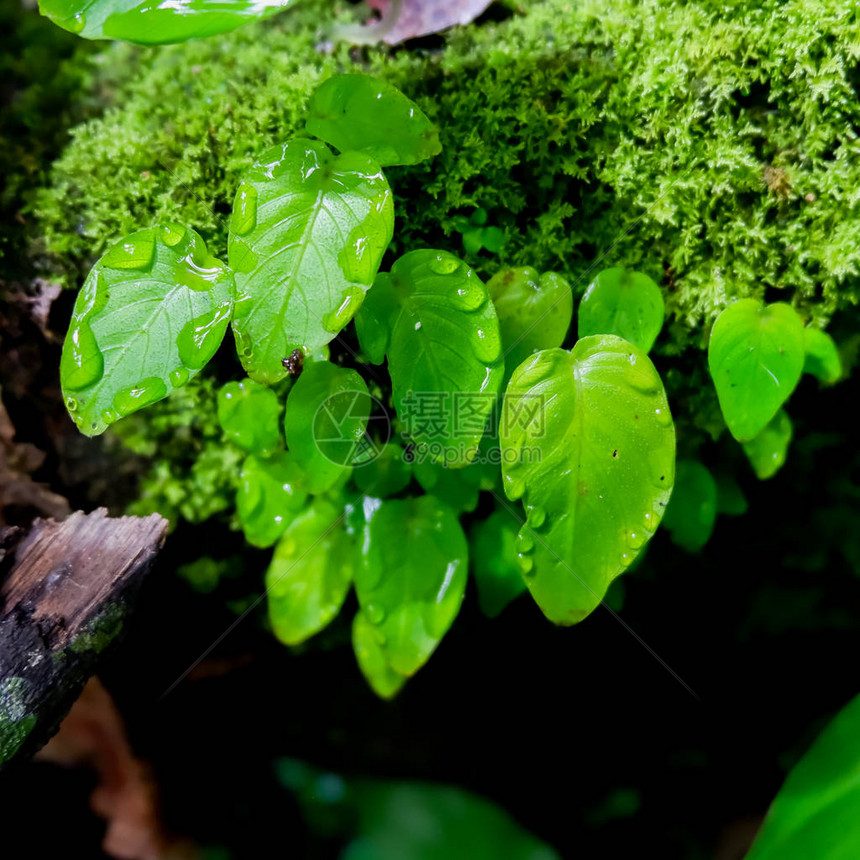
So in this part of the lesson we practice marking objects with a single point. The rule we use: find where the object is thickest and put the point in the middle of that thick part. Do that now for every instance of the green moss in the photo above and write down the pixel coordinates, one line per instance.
(15, 723)
(711, 145)
(100, 632)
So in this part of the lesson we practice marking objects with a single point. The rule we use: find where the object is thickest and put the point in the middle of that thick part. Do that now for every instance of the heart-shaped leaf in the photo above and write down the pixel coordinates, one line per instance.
(325, 422)
(310, 573)
(623, 303)
(755, 354)
(589, 444)
(249, 416)
(692, 510)
(822, 357)
(767, 451)
(412, 577)
(151, 23)
(270, 492)
(534, 312)
(307, 234)
(815, 812)
(493, 553)
(433, 318)
(358, 112)
(150, 315)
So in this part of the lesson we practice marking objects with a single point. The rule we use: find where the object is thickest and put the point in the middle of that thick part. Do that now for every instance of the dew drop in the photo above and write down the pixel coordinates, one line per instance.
(536, 516)
(135, 397)
(635, 539)
(444, 264)
(663, 416)
(82, 363)
(514, 487)
(526, 563)
(172, 233)
(179, 377)
(77, 23)
(525, 542)
(375, 613)
(71, 404)
(486, 345)
(135, 252)
(335, 320)
(244, 217)
(469, 296)
(641, 374)
(109, 416)
(200, 338)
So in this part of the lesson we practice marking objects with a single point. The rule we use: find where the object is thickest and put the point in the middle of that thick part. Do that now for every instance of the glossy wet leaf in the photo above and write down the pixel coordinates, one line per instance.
(358, 112)
(421, 821)
(815, 812)
(432, 317)
(373, 660)
(624, 303)
(588, 443)
(493, 553)
(767, 452)
(692, 510)
(411, 578)
(384, 475)
(821, 356)
(534, 312)
(756, 355)
(325, 422)
(150, 315)
(271, 492)
(249, 415)
(155, 23)
(310, 573)
(307, 233)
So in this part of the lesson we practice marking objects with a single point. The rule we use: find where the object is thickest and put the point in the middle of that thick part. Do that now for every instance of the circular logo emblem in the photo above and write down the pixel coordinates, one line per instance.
(350, 428)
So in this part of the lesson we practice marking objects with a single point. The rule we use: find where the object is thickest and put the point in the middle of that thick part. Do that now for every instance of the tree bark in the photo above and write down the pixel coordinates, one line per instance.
(63, 601)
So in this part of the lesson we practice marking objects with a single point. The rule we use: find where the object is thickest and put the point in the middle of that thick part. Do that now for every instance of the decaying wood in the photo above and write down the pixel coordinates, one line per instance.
(63, 601)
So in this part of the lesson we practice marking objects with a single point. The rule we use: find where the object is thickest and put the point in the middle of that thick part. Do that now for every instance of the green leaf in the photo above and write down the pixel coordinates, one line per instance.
(307, 234)
(153, 23)
(624, 303)
(814, 814)
(493, 239)
(420, 821)
(589, 444)
(821, 356)
(534, 312)
(767, 451)
(730, 497)
(432, 317)
(412, 577)
(310, 574)
(327, 412)
(458, 488)
(270, 492)
(385, 475)
(249, 416)
(358, 112)
(150, 315)
(692, 510)
(372, 659)
(493, 552)
(756, 355)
